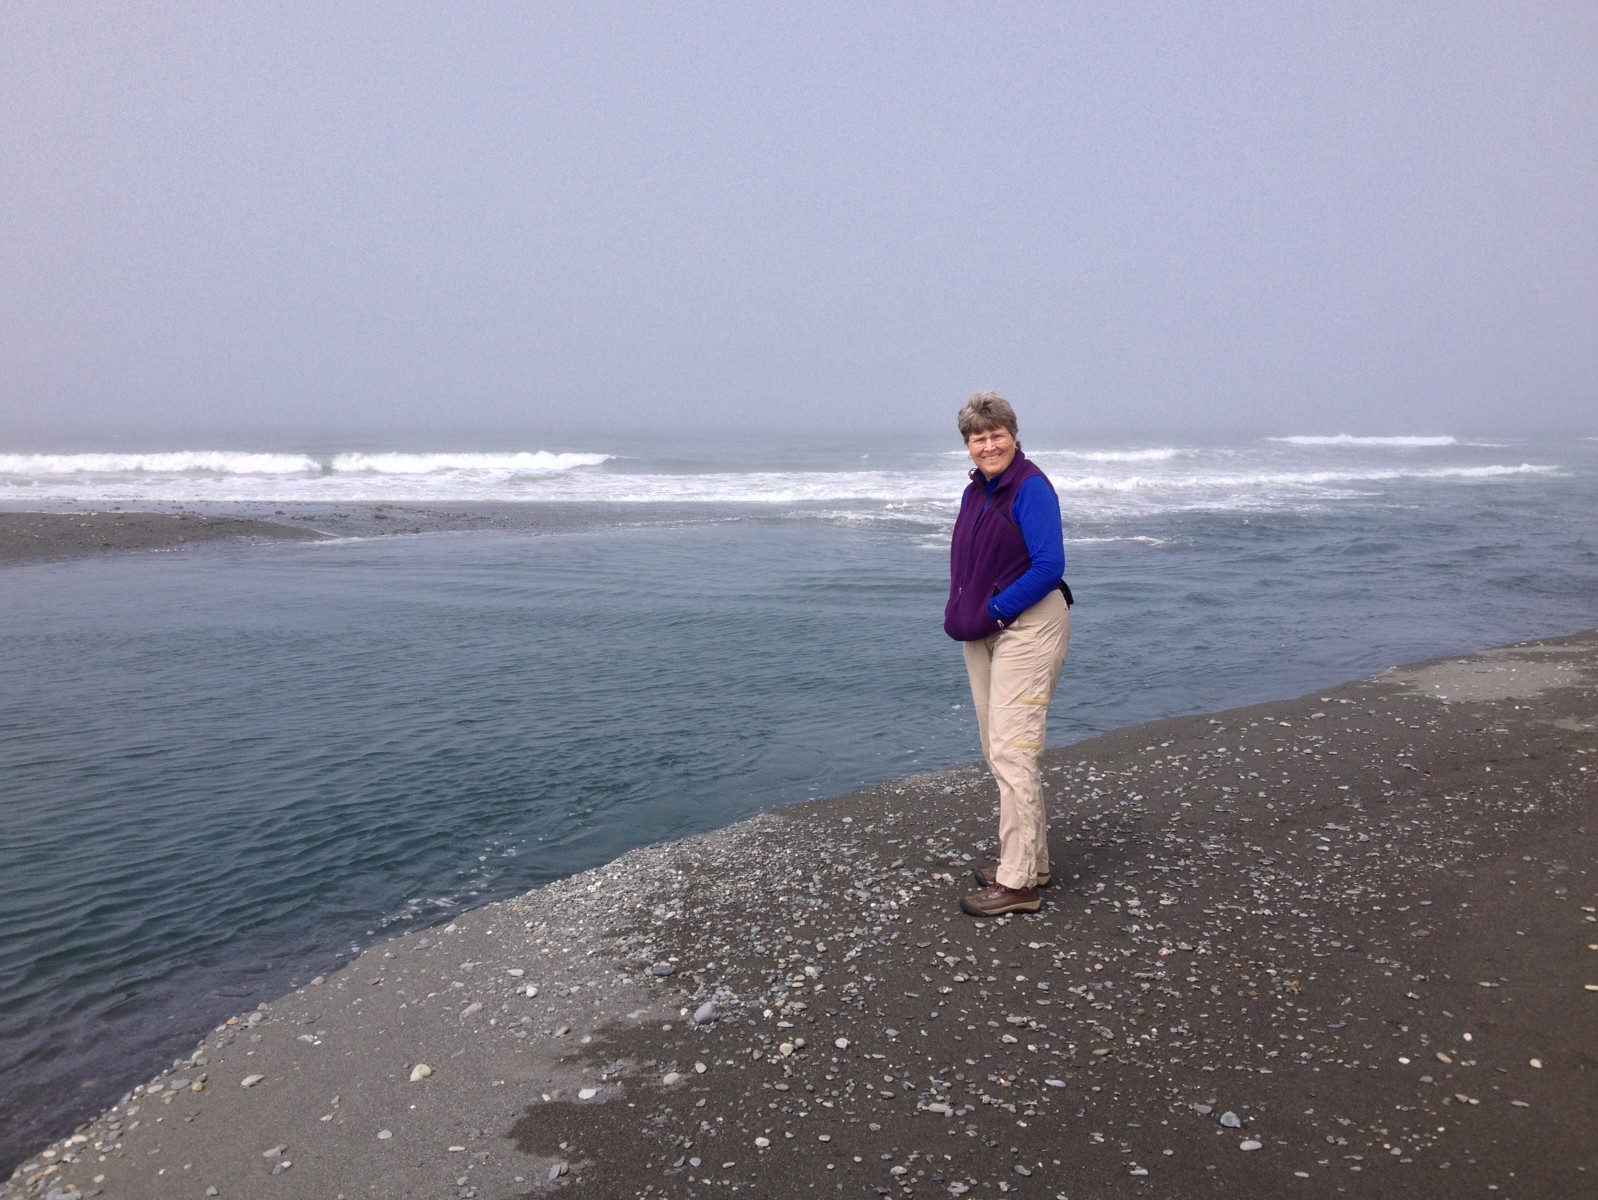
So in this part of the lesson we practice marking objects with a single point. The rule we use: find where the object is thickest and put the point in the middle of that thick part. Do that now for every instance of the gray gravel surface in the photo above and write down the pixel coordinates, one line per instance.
(1340, 945)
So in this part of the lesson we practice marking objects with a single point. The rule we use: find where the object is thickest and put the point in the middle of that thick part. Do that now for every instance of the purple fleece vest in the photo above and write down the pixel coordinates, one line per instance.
(988, 553)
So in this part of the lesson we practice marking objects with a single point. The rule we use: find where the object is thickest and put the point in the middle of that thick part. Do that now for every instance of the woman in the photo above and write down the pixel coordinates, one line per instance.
(1008, 605)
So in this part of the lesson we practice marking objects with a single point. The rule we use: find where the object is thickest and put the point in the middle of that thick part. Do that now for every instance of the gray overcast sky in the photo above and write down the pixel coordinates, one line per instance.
(432, 220)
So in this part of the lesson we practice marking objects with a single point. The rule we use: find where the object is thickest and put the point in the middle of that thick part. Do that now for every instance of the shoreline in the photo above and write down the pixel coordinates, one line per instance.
(27, 537)
(1356, 915)
(67, 531)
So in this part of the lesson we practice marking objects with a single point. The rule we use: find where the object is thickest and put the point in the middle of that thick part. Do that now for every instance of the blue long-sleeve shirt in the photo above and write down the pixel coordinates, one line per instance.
(1037, 512)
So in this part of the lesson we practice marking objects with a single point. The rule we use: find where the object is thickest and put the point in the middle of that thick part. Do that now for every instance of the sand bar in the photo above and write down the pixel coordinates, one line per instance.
(31, 536)
(1339, 945)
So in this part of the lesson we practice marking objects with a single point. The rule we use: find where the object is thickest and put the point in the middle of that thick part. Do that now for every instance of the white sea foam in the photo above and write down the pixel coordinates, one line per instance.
(429, 464)
(170, 462)
(1245, 483)
(1345, 439)
(1157, 454)
(917, 488)
(1099, 541)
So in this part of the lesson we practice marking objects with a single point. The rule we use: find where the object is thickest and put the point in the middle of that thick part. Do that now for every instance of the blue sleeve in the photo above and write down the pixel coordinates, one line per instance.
(1037, 512)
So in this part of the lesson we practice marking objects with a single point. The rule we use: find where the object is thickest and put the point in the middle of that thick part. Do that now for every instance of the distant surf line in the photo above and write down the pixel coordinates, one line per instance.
(1347, 439)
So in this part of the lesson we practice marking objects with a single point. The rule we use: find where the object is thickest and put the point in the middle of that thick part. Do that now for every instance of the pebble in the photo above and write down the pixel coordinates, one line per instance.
(841, 1043)
(705, 1013)
(588, 1093)
(1231, 1120)
(671, 1077)
(762, 1142)
(1538, 1063)
(251, 1080)
(476, 1006)
(700, 1068)
(383, 1135)
(1251, 1144)
(556, 1171)
(532, 990)
(420, 1071)
(664, 969)
(515, 972)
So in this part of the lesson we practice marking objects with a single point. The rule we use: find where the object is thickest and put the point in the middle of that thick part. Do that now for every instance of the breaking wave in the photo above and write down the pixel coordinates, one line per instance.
(171, 462)
(915, 488)
(1346, 439)
(427, 464)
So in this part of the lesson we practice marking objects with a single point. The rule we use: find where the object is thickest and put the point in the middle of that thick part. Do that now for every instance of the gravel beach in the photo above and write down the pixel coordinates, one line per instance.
(1338, 945)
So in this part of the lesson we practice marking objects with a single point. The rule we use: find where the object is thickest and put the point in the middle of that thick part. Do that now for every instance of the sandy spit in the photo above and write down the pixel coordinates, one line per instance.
(1344, 945)
(32, 536)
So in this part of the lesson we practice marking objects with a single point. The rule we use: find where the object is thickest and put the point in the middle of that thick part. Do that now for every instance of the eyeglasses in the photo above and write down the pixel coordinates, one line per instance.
(992, 437)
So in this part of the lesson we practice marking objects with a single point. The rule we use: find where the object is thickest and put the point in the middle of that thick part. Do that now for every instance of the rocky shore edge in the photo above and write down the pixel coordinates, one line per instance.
(1339, 945)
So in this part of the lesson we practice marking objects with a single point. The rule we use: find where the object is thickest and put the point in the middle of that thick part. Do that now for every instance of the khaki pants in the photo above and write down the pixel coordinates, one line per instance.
(1013, 677)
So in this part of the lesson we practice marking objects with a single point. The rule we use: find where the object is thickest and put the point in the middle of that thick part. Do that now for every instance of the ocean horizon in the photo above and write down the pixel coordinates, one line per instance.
(229, 769)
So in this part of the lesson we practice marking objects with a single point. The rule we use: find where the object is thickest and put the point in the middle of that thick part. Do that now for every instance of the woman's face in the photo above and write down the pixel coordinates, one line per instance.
(992, 450)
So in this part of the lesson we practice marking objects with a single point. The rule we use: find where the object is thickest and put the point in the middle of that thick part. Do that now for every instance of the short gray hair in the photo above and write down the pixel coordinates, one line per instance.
(985, 411)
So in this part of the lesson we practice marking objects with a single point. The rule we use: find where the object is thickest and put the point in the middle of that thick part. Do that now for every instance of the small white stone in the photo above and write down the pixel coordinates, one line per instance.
(762, 1143)
(515, 972)
(588, 1093)
(671, 1077)
(700, 1068)
(1251, 1144)
(420, 1072)
(384, 1134)
(251, 1080)
(842, 1043)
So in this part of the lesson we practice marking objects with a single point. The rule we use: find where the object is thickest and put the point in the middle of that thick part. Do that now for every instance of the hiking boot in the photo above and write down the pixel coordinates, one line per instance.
(988, 876)
(997, 900)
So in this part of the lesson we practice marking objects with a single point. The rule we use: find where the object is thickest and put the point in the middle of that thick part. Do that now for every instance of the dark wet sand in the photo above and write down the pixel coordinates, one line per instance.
(70, 531)
(1358, 921)
(31, 536)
